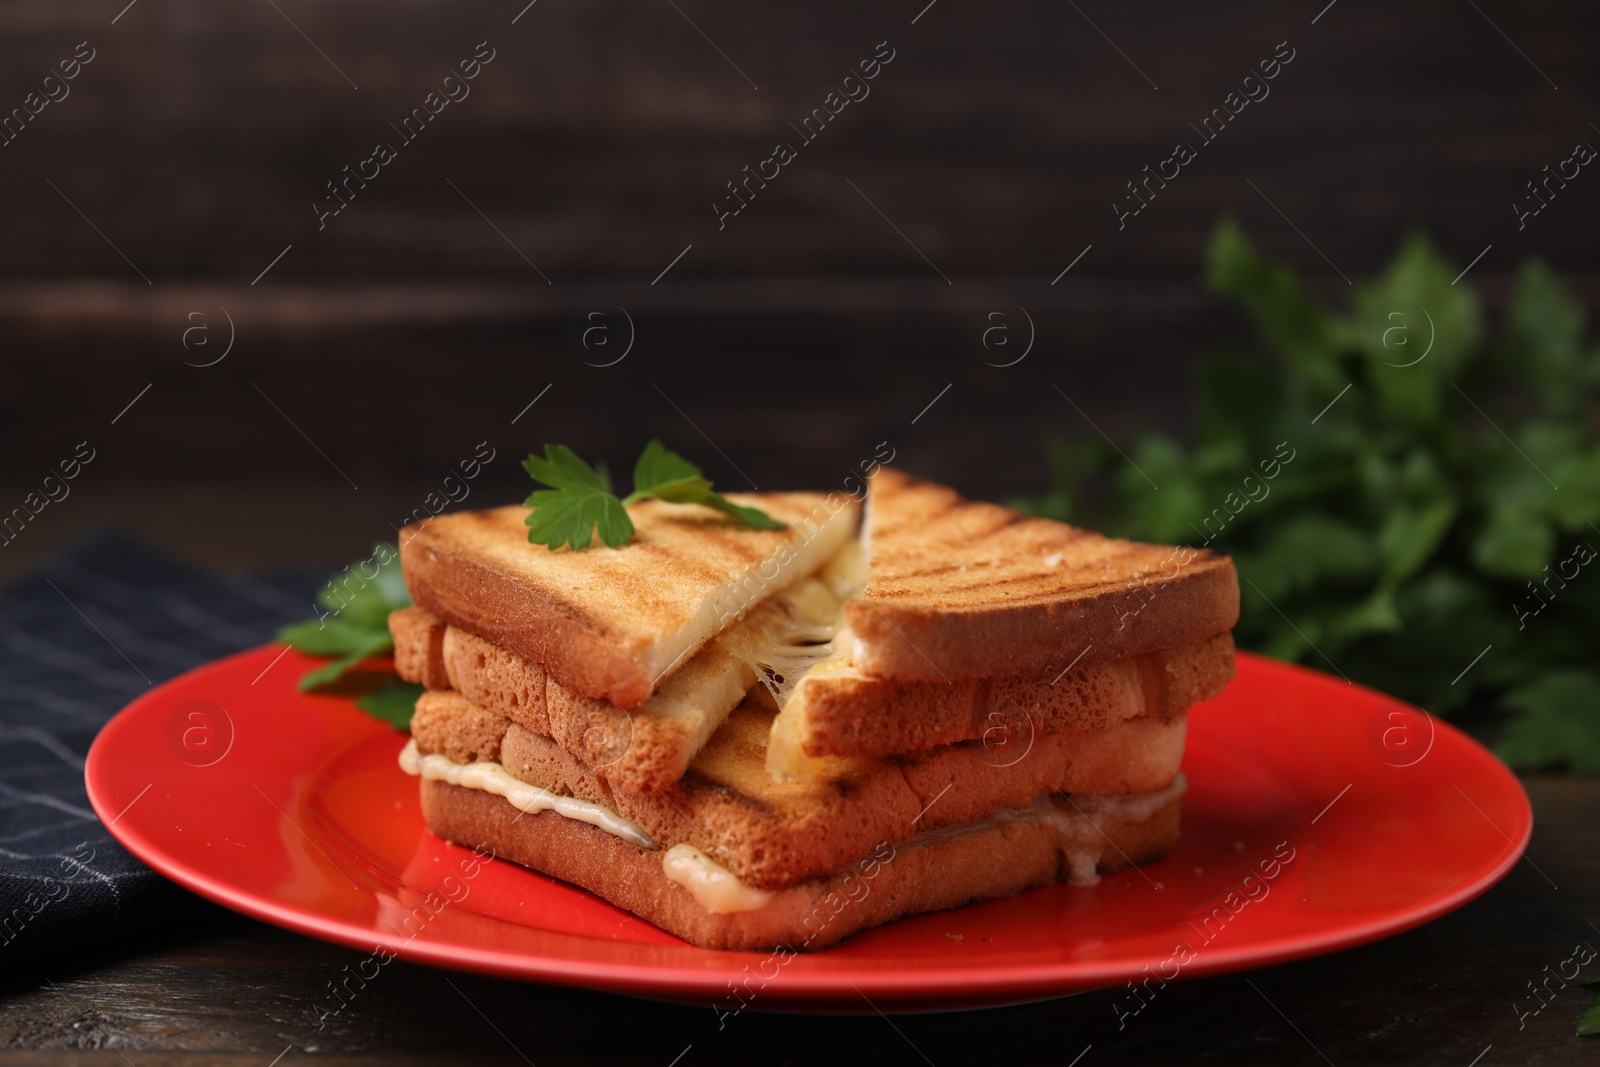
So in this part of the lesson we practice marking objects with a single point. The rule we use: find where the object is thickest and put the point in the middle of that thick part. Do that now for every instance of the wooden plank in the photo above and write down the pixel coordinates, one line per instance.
(601, 134)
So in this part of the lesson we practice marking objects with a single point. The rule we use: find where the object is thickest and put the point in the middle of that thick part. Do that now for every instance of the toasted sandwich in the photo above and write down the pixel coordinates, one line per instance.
(974, 617)
(789, 758)
(730, 857)
(631, 656)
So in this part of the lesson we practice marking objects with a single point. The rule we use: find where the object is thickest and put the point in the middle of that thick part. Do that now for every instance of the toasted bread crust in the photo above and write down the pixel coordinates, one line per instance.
(450, 724)
(773, 834)
(985, 865)
(419, 647)
(964, 589)
(634, 750)
(856, 714)
(844, 715)
(612, 623)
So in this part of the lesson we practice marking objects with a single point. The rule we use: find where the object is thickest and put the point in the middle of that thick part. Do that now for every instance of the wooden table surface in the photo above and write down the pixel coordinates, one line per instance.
(416, 324)
(211, 987)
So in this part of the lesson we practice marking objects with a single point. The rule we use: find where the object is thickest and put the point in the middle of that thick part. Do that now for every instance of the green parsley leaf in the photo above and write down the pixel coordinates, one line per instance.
(754, 518)
(365, 591)
(665, 475)
(359, 599)
(1589, 1021)
(1514, 544)
(1544, 336)
(376, 645)
(579, 502)
(1410, 534)
(1420, 502)
(562, 469)
(327, 637)
(393, 703)
(572, 517)
(1284, 311)
(1558, 722)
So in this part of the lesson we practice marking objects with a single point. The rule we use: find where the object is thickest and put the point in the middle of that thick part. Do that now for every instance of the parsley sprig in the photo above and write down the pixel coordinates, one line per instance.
(1409, 534)
(356, 628)
(579, 502)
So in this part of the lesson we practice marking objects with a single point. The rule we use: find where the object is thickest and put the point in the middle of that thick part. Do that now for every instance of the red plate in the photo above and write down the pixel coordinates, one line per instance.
(1320, 815)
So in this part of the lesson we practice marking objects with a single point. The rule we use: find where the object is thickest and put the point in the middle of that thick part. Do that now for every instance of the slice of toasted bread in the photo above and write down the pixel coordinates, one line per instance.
(608, 623)
(963, 589)
(419, 647)
(939, 872)
(645, 747)
(776, 833)
(838, 710)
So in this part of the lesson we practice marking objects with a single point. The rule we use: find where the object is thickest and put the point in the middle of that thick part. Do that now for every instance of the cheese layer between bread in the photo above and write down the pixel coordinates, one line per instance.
(777, 833)
(837, 709)
(649, 746)
(1073, 820)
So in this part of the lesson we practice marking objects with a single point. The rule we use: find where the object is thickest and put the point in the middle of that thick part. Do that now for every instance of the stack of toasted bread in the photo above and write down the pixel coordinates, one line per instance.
(762, 738)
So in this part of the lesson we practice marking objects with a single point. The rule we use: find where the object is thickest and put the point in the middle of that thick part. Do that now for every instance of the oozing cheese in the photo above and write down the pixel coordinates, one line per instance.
(1074, 821)
(808, 639)
(786, 755)
(713, 886)
(803, 629)
(493, 778)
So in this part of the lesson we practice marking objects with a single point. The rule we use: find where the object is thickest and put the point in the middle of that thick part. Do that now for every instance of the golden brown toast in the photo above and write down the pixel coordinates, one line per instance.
(612, 624)
(838, 710)
(963, 589)
(833, 711)
(894, 880)
(645, 747)
(773, 833)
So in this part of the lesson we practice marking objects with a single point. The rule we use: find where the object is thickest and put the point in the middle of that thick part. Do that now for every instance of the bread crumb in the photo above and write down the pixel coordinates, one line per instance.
(1238, 846)
(1199, 870)
(1053, 560)
(955, 937)
(1161, 885)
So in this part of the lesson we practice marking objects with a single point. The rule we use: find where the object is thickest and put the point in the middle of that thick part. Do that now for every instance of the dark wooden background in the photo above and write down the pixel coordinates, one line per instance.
(378, 352)
(798, 337)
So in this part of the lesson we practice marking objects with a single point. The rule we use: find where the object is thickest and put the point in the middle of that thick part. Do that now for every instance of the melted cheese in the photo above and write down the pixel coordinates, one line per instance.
(805, 638)
(713, 886)
(805, 627)
(1074, 821)
(493, 778)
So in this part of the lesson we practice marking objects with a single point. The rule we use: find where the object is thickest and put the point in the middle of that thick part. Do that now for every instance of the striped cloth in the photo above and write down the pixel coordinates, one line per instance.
(79, 638)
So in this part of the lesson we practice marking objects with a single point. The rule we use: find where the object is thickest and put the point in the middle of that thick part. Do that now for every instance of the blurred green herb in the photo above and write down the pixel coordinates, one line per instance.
(579, 500)
(1589, 1021)
(393, 703)
(1410, 532)
(356, 627)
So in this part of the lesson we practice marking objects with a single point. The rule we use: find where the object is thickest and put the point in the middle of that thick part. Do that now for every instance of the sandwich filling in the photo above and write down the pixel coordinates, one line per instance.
(802, 636)
(806, 626)
(713, 886)
(1075, 821)
(494, 778)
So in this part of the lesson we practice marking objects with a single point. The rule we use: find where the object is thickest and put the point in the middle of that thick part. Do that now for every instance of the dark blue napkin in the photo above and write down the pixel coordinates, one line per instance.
(79, 638)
